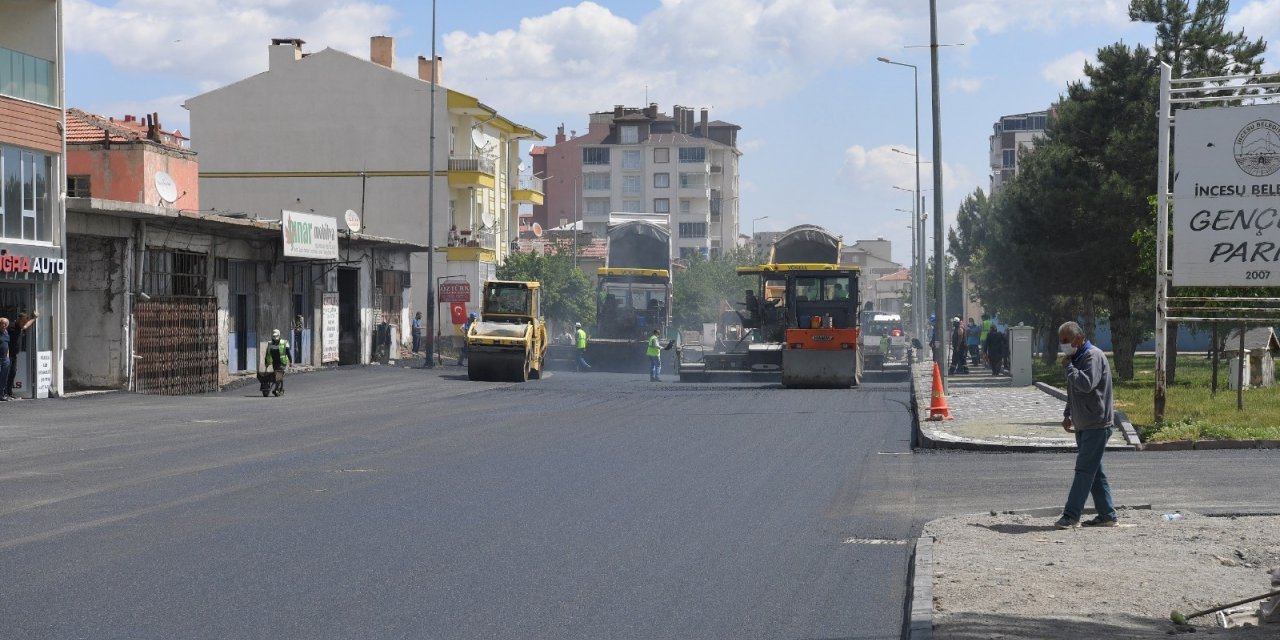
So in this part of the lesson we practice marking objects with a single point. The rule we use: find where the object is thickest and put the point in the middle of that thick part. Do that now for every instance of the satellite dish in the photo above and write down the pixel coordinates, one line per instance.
(481, 141)
(537, 230)
(520, 167)
(353, 221)
(166, 187)
(487, 219)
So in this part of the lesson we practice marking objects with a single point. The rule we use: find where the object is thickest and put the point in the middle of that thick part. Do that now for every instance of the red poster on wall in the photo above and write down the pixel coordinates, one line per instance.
(458, 312)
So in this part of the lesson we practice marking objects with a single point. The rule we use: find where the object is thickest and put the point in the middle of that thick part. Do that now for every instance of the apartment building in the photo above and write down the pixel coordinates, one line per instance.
(1010, 135)
(32, 217)
(642, 161)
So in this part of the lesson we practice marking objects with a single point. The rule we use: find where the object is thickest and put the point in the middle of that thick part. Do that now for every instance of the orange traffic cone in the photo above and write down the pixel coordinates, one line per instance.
(938, 405)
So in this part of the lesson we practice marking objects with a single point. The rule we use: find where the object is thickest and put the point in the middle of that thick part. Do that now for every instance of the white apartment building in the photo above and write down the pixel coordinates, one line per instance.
(641, 161)
(1011, 134)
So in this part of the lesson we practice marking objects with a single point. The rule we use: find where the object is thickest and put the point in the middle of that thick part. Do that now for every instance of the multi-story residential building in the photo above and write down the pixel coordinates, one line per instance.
(638, 160)
(328, 132)
(1010, 135)
(873, 257)
(32, 174)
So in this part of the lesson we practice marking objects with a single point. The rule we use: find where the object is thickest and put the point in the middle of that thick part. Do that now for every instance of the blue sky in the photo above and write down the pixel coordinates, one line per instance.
(819, 115)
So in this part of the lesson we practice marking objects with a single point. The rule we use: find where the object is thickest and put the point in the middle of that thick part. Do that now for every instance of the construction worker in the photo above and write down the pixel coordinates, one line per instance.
(277, 360)
(654, 351)
(840, 293)
(582, 347)
(466, 329)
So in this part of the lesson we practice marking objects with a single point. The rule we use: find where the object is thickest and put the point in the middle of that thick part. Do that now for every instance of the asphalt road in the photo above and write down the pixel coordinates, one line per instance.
(403, 503)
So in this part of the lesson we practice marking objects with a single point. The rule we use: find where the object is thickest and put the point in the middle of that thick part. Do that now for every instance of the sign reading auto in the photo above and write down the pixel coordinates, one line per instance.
(1226, 210)
(16, 264)
(309, 236)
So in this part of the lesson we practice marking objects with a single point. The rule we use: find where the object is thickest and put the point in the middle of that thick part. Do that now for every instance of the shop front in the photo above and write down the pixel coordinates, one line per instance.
(30, 283)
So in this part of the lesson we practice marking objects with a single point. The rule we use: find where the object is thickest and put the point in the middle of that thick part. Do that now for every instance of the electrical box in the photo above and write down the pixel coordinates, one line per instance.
(1021, 350)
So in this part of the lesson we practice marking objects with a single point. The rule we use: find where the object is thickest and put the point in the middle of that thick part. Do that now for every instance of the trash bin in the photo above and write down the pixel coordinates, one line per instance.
(1020, 354)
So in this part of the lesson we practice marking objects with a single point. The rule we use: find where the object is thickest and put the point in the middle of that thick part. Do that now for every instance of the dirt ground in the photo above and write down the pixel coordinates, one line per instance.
(1016, 576)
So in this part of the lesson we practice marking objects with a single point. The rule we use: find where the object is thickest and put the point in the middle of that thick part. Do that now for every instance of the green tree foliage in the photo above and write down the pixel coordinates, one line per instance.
(706, 283)
(566, 292)
(1194, 40)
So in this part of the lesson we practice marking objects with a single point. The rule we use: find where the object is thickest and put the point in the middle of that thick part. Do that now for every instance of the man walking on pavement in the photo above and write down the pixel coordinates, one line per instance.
(654, 351)
(581, 337)
(959, 362)
(1088, 414)
(277, 360)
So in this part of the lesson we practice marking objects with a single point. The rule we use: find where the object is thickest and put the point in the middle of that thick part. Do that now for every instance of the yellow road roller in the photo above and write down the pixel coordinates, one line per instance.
(509, 341)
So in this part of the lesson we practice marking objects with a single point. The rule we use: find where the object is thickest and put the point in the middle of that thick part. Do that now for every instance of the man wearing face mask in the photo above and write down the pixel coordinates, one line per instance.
(1089, 416)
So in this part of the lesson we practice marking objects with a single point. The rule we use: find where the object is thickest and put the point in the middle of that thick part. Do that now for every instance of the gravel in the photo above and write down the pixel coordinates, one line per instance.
(1016, 576)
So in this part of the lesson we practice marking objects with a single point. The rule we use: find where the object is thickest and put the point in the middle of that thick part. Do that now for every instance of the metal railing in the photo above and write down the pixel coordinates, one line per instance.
(472, 163)
(530, 183)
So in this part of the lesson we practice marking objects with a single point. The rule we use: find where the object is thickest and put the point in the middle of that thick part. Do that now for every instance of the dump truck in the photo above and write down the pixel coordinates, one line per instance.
(802, 318)
(508, 343)
(633, 296)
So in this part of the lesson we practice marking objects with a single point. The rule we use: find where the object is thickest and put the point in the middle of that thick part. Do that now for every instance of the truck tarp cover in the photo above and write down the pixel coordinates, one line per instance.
(639, 245)
(806, 244)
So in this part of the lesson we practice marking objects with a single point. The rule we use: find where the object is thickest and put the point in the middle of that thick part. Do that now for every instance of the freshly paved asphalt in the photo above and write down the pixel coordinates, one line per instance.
(405, 503)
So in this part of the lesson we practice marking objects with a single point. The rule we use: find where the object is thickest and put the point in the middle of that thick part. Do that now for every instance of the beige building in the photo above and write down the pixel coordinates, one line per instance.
(1010, 135)
(330, 133)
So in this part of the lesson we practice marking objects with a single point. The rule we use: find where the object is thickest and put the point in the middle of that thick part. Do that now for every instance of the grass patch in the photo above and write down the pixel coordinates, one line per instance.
(1192, 411)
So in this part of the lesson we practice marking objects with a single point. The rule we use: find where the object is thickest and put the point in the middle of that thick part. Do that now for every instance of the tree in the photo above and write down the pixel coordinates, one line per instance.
(566, 292)
(705, 283)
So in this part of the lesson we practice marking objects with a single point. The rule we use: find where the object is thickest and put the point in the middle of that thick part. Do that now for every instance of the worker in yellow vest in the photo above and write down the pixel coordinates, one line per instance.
(582, 347)
(277, 360)
(654, 351)
(982, 334)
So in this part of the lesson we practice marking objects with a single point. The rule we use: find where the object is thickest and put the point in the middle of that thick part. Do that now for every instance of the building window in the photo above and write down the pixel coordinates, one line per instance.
(693, 181)
(78, 187)
(595, 155)
(632, 206)
(26, 77)
(596, 180)
(661, 180)
(175, 273)
(392, 284)
(26, 208)
(693, 154)
(661, 205)
(686, 206)
(630, 134)
(597, 206)
(1007, 158)
(693, 229)
(632, 185)
(631, 159)
(661, 155)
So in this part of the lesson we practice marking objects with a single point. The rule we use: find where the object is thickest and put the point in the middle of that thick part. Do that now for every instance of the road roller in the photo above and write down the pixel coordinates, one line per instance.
(509, 341)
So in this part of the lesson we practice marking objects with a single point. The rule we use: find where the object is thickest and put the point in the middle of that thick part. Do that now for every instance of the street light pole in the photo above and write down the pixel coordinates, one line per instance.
(431, 203)
(753, 227)
(917, 294)
(939, 273)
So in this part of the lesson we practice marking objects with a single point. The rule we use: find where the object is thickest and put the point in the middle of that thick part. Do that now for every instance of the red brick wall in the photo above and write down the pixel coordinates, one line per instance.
(29, 125)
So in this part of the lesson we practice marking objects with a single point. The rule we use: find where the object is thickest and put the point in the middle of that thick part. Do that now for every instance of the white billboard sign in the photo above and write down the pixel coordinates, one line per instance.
(1226, 210)
(307, 235)
(329, 327)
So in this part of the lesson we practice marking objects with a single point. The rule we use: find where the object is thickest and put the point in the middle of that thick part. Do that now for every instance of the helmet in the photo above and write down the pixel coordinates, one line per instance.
(577, 325)
(275, 333)
(472, 316)
(955, 320)
(932, 317)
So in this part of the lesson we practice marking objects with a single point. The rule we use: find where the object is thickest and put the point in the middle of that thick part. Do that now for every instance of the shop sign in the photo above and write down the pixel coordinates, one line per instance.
(455, 291)
(329, 326)
(309, 236)
(42, 264)
(44, 373)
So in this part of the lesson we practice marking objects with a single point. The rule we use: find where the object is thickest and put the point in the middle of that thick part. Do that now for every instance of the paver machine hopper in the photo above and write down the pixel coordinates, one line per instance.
(509, 341)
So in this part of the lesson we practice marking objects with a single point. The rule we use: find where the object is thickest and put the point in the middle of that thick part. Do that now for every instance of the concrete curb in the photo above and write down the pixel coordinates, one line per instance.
(919, 622)
(1210, 445)
(1119, 421)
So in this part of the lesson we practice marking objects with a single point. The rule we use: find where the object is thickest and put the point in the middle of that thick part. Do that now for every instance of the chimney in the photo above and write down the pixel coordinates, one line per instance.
(283, 51)
(560, 133)
(704, 131)
(617, 111)
(382, 50)
(428, 72)
(651, 112)
(688, 121)
(675, 114)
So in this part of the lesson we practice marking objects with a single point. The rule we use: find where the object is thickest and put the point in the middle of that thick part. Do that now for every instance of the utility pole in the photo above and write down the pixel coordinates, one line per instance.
(939, 274)
(431, 202)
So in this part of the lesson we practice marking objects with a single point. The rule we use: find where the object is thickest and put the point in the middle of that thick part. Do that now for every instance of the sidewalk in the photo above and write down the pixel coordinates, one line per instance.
(993, 415)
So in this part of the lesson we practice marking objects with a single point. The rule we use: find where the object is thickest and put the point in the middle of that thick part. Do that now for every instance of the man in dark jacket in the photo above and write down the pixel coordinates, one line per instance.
(994, 349)
(1088, 414)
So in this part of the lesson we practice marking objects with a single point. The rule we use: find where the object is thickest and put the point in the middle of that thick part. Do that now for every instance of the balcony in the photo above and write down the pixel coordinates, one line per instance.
(528, 191)
(472, 171)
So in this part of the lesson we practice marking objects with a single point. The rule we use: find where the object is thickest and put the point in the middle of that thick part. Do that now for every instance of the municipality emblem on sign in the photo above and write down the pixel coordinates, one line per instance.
(1257, 148)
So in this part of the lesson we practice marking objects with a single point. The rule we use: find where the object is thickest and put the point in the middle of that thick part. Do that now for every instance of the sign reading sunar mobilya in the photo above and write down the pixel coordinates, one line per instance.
(1226, 212)
(308, 235)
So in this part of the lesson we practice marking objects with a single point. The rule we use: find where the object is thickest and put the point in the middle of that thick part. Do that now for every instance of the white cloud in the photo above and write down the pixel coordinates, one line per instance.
(967, 85)
(1258, 18)
(1068, 68)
